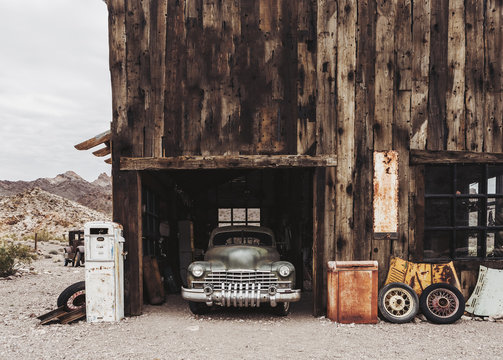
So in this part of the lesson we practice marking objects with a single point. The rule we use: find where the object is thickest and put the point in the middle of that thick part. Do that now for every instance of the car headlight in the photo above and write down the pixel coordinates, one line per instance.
(197, 270)
(284, 271)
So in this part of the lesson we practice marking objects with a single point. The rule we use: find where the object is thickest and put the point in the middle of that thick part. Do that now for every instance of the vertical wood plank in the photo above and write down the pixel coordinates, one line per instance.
(135, 98)
(438, 76)
(346, 66)
(146, 79)
(364, 119)
(325, 73)
(175, 93)
(384, 74)
(456, 126)
(420, 70)
(402, 121)
(474, 96)
(306, 88)
(493, 137)
(158, 29)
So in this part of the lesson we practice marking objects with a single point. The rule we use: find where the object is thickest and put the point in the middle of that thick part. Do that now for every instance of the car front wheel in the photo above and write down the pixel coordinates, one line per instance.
(198, 308)
(282, 309)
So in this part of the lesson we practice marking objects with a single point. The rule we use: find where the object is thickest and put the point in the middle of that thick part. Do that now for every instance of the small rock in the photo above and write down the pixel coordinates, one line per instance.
(417, 320)
(193, 328)
(422, 317)
(466, 318)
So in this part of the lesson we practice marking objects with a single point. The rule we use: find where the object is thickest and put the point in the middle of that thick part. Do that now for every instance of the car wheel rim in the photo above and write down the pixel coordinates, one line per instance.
(442, 302)
(398, 302)
(77, 300)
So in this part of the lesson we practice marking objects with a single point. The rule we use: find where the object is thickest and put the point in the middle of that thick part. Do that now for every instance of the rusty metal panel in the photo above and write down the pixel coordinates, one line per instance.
(352, 292)
(487, 297)
(421, 275)
(385, 194)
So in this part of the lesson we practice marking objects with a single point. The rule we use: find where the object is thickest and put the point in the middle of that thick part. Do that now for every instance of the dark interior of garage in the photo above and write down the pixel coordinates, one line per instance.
(180, 209)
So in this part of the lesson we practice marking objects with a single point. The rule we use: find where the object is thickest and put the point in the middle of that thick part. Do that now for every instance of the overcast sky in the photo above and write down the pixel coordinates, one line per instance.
(54, 86)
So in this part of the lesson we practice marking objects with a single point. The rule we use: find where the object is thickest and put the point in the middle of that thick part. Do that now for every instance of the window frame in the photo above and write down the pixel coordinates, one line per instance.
(482, 196)
(246, 221)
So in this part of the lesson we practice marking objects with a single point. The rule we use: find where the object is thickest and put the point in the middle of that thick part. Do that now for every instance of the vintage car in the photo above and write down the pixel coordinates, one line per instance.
(241, 268)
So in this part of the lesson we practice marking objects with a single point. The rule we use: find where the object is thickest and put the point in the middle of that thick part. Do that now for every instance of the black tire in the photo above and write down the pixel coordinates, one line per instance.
(442, 303)
(398, 303)
(198, 308)
(73, 297)
(281, 309)
(77, 259)
(67, 261)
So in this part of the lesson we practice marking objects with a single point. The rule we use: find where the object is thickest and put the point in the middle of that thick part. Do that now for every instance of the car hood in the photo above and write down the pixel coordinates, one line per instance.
(241, 257)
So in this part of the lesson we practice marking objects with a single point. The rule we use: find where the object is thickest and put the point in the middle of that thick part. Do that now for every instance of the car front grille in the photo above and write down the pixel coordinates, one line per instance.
(234, 278)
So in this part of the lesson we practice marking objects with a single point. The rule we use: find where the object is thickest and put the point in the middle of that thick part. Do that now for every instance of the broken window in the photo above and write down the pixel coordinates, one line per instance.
(238, 216)
(463, 211)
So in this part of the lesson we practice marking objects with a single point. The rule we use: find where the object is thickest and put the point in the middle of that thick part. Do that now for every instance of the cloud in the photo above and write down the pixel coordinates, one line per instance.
(54, 86)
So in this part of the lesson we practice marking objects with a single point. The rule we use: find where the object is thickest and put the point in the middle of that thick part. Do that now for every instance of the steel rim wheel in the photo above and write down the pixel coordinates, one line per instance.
(398, 302)
(442, 302)
(77, 300)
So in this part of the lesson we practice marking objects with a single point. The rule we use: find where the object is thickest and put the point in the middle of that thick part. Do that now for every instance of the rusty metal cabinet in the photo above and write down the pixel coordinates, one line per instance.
(352, 292)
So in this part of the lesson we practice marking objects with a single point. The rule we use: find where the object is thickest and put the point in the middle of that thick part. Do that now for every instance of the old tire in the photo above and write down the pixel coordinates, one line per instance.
(77, 259)
(282, 309)
(198, 308)
(398, 303)
(73, 297)
(442, 303)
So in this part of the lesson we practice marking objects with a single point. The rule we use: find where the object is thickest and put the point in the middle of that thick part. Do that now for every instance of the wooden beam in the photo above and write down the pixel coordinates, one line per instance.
(108, 160)
(419, 157)
(102, 152)
(227, 162)
(92, 142)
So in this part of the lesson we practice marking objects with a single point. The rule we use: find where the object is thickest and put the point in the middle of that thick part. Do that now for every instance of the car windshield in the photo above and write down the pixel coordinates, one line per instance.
(253, 238)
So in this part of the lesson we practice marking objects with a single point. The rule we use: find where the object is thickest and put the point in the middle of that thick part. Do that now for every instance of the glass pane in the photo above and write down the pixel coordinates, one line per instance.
(438, 180)
(494, 211)
(467, 243)
(468, 212)
(495, 180)
(239, 224)
(220, 224)
(437, 244)
(224, 215)
(469, 179)
(253, 215)
(238, 215)
(438, 212)
(254, 224)
(495, 243)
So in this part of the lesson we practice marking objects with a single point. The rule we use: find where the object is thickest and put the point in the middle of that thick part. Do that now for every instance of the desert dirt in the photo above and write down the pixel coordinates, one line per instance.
(170, 331)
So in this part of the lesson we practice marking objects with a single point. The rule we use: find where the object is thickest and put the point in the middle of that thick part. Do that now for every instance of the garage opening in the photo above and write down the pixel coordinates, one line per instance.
(180, 208)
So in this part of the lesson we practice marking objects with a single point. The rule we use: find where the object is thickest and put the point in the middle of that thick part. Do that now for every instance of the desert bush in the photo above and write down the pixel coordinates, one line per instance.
(42, 235)
(11, 255)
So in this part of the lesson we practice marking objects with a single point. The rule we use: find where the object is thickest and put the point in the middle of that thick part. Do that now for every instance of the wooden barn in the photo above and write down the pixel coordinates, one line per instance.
(356, 130)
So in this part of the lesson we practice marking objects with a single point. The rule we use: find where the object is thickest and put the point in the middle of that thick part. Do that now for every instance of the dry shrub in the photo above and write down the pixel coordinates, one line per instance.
(12, 255)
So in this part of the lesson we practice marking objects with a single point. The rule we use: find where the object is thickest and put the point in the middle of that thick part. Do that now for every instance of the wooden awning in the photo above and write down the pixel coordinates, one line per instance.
(227, 162)
(422, 157)
(103, 138)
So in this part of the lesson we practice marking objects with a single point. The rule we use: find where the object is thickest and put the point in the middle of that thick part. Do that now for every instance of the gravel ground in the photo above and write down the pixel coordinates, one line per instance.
(170, 331)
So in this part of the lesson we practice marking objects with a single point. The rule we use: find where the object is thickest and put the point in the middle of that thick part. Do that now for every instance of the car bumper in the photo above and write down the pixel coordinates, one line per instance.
(240, 297)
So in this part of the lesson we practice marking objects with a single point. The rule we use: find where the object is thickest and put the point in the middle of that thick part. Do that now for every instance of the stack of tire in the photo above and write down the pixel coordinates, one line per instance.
(440, 303)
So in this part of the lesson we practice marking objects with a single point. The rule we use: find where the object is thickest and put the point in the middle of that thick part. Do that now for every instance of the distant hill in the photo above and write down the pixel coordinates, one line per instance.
(36, 210)
(96, 195)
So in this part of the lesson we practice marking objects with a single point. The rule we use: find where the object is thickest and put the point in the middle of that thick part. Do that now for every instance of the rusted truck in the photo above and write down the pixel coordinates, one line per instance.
(74, 252)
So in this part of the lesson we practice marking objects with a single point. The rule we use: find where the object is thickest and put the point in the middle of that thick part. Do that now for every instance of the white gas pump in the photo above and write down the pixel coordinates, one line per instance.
(104, 271)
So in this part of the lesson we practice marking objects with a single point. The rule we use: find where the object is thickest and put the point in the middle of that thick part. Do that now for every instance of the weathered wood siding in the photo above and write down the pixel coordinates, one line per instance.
(312, 77)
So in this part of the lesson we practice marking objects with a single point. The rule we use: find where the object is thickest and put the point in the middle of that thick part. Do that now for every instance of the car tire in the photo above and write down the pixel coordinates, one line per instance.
(442, 303)
(198, 308)
(398, 303)
(282, 309)
(77, 259)
(73, 297)
(67, 261)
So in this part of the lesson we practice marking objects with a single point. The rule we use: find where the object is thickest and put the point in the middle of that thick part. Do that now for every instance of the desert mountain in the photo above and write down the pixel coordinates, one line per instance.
(36, 210)
(96, 195)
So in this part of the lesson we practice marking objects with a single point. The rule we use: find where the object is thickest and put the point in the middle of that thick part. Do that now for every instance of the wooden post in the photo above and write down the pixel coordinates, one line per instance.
(36, 236)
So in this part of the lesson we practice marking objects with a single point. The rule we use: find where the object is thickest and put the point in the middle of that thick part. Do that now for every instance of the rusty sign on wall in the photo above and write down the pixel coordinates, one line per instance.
(385, 194)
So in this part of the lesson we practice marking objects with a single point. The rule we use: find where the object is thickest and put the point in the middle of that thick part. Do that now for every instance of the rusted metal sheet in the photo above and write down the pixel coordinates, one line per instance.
(487, 297)
(385, 194)
(352, 292)
(420, 275)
